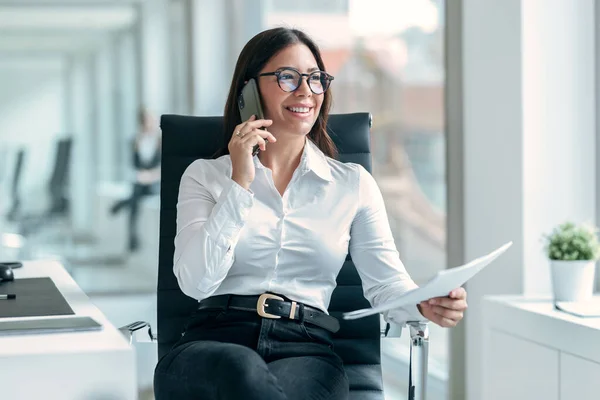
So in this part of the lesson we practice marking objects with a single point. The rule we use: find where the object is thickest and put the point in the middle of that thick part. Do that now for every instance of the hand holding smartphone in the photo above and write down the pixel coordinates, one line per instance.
(249, 104)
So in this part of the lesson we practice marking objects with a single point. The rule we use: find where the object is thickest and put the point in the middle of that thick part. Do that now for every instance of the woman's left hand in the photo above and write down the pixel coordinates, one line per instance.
(445, 311)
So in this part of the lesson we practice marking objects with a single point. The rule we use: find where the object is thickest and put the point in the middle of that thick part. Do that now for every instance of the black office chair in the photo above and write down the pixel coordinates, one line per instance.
(58, 192)
(186, 139)
(15, 208)
(58, 186)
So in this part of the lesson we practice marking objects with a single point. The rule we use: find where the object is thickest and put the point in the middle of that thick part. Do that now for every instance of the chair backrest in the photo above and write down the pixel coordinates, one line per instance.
(15, 185)
(58, 186)
(186, 139)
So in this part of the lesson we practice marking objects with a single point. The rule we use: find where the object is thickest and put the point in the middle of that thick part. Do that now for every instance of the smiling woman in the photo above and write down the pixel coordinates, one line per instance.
(246, 236)
(282, 63)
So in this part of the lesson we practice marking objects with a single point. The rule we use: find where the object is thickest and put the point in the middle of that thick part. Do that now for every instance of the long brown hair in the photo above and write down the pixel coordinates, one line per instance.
(254, 56)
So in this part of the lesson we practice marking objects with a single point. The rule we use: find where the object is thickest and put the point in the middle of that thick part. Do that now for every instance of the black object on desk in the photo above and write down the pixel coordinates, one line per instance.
(11, 264)
(36, 297)
(48, 325)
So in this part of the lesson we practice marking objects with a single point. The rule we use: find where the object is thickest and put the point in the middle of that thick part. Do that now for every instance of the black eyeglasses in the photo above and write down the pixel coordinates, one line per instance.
(290, 79)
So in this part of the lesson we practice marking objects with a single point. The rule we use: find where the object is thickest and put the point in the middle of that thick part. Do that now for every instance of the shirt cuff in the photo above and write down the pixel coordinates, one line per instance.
(401, 316)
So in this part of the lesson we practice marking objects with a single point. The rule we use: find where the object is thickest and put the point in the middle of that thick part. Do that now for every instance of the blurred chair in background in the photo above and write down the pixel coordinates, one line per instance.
(15, 207)
(58, 209)
(12, 244)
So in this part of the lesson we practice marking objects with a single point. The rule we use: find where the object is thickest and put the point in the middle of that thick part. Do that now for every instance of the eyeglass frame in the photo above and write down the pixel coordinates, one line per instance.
(300, 78)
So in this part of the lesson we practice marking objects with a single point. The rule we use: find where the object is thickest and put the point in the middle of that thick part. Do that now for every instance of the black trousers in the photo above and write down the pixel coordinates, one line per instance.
(239, 355)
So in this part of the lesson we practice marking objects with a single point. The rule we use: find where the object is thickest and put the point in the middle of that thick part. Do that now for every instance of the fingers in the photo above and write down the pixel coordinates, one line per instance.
(253, 123)
(446, 323)
(265, 135)
(447, 313)
(446, 302)
(459, 293)
(442, 316)
(262, 143)
(257, 137)
(256, 134)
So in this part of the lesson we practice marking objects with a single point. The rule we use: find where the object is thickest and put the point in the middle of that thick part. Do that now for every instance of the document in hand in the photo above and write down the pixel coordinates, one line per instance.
(441, 285)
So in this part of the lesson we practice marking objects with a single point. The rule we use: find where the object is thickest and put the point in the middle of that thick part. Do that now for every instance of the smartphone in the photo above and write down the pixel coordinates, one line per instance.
(249, 104)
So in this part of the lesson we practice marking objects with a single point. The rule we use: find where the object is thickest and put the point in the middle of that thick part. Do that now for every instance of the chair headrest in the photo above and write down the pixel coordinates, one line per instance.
(202, 137)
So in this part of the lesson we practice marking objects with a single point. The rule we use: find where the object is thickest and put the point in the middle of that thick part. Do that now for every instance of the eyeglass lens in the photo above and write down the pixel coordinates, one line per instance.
(289, 80)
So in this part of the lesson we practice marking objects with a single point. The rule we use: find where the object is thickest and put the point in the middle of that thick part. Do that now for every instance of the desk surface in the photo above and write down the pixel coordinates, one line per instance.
(109, 338)
(70, 365)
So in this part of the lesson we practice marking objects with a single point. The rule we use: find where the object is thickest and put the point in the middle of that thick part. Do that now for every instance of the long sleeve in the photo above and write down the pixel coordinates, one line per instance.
(207, 230)
(374, 253)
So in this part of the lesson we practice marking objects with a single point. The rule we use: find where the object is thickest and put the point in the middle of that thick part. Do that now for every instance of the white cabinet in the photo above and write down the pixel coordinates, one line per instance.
(579, 378)
(532, 351)
(518, 370)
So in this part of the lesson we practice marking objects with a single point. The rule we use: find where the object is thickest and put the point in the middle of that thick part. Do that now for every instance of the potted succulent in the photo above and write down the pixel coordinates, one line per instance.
(573, 251)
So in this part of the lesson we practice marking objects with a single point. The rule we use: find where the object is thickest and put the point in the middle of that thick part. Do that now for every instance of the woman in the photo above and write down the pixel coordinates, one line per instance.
(146, 161)
(278, 224)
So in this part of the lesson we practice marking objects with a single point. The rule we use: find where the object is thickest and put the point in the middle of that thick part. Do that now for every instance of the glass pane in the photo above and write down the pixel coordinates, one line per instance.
(387, 57)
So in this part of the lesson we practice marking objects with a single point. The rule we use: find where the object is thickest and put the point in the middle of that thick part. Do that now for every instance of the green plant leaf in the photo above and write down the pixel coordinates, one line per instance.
(569, 241)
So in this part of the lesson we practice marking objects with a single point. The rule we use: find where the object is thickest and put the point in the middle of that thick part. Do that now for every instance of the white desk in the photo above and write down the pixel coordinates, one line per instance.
(532, 351)
(77, 365)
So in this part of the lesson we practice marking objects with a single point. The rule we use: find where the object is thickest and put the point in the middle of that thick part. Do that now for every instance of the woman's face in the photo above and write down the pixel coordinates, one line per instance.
(294, 112)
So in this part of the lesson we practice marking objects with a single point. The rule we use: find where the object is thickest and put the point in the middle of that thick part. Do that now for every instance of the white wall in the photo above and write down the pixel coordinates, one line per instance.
(558, 124)
(155, 65)
(128, 102)
(211, 63)
(81, 102)
(493, 181)
(105, 80)
(31, 108)
(529, 140)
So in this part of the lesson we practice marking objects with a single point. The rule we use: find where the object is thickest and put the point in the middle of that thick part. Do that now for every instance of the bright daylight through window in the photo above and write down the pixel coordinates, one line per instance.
(387, 57)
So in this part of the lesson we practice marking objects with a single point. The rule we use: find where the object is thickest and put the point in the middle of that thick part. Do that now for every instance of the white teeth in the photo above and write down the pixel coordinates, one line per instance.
(299, 109)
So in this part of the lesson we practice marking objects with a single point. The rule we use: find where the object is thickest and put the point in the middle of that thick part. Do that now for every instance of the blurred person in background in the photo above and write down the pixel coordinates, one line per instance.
(146, 150)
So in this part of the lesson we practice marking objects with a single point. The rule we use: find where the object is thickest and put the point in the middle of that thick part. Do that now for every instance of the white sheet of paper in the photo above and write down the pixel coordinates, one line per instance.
(584, 309)
(441, 285)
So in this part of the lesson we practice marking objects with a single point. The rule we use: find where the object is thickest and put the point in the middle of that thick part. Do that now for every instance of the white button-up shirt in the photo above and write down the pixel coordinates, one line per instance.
(234, 241)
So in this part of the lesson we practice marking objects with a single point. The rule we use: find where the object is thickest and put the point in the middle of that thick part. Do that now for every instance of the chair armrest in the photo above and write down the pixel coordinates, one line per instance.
(419, 358)
(130, 329)
(419, 355)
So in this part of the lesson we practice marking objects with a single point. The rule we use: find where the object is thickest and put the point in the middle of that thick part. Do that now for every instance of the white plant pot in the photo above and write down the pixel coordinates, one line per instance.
(572, 280)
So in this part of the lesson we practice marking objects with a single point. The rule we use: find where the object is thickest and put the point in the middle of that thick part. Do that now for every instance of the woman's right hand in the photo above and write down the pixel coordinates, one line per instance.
(245, 136)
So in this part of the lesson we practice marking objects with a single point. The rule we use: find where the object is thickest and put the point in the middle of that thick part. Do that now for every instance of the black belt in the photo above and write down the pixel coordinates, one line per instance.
(269, 305)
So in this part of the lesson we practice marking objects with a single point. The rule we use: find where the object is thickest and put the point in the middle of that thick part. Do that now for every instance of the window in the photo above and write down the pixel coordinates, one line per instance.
(309, 6)
(387, 57)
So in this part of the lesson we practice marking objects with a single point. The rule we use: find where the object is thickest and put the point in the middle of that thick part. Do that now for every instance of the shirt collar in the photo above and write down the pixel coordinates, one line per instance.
(312, 159)
(315, 160)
